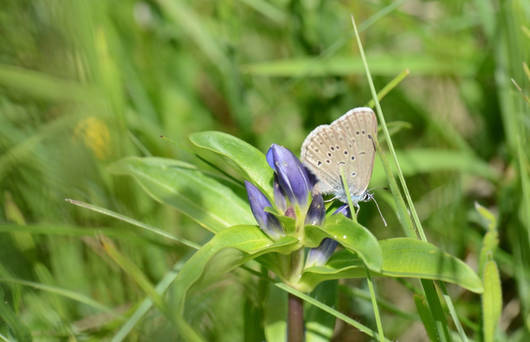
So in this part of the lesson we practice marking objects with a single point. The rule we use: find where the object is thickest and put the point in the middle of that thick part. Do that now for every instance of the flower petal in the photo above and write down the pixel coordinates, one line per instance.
(344, 210)
(320, 255)
(258, 202)
(317, 211)
(270, 157)
(279, 195)
(292, 175)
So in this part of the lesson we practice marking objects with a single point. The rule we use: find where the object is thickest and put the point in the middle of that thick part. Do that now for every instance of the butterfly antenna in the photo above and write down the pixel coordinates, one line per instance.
(380, 213)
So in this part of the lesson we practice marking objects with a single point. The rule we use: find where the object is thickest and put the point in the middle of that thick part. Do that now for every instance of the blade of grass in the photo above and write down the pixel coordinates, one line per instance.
(426, 317)
(389, 143)
(389, 86)
(44, 86)
(373, 297)
(146, 304)
(431, 295)
(137, 275)
(134, 222)
(436, 309)
(329, 310)
(59, 291)
(267, 9)
(17, 328)
(454, 316)
(5, 339)
(358, 293)
(132, 270)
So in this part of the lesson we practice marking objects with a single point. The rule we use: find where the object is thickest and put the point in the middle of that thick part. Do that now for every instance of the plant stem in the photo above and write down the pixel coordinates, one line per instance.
(380, 333)
(295, 319)
(377, 316)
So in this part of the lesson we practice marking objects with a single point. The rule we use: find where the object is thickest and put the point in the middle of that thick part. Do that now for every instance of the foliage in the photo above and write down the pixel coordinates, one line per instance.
(87, 89)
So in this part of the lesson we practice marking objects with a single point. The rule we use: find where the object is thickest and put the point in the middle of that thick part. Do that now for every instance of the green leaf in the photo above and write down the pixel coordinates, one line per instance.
(402, 258)
(181, 185)
(491, 238)
(225, 251)
(405, 257)
(351, 235)
(251, 163)
(491, 300)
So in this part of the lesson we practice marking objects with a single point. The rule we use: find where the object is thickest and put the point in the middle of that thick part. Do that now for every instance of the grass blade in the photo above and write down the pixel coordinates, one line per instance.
(132, 221)
(59, 291)
(329, 310)
(146, 304)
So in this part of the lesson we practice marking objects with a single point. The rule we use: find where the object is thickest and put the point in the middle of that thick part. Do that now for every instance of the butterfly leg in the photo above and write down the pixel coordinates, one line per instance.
(357, 208)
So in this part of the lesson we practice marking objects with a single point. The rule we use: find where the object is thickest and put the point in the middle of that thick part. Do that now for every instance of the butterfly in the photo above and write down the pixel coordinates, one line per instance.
(347, 144)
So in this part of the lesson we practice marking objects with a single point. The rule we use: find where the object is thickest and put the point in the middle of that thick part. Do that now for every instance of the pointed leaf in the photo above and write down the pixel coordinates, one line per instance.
(351, 235)
(405, 257)
(238, 245)
(402, 258)
(250, 161)
(491, 300)
(178, 184)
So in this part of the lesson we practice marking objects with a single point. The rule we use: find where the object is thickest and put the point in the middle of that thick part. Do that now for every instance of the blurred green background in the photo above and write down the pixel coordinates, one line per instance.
(85, 83)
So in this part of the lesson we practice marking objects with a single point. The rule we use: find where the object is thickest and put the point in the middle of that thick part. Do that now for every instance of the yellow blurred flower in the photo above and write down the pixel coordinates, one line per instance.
(96, 136)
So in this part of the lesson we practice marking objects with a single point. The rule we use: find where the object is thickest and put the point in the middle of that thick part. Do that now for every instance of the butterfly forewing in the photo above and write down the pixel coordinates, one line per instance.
(346, 143)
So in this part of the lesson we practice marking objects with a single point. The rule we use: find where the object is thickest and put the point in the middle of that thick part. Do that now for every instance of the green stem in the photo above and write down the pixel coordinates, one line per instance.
(375, 306)
(296, 265)
(380, 333)
(390, 85)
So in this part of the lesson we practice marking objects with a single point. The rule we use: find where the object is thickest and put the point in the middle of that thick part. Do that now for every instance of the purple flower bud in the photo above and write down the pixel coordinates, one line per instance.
(344, 210)
(258, 202)
(320, 255)
(316, 212)
(292, 175)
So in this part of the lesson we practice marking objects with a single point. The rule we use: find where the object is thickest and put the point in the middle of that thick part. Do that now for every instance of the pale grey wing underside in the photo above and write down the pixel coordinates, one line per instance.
(347, 143)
